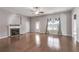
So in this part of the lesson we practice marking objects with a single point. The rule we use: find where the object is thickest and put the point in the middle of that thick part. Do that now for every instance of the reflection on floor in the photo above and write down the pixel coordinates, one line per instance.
(36, 42)
(53, 42)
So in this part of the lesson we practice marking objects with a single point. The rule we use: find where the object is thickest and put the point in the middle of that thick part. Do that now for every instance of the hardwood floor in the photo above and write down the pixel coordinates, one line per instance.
(35, 42)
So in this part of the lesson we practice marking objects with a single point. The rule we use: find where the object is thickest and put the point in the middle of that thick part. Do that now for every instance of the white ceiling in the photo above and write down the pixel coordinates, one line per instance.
(28, 11)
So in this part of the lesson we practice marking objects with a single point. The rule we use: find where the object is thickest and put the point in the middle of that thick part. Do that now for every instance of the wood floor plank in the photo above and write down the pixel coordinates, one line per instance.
(36, 42)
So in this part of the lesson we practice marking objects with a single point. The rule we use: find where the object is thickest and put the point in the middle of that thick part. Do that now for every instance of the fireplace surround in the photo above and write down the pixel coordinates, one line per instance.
(14, 30)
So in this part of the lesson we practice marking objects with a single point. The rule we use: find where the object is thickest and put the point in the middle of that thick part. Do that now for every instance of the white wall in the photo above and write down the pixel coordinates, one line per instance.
(7, 18)
(14, 19)
(25, 26)
(42, 24)
(66, 22)
(4, 18)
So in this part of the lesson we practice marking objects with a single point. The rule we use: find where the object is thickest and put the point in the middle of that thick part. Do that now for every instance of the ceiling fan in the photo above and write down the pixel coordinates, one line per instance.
(37, 10)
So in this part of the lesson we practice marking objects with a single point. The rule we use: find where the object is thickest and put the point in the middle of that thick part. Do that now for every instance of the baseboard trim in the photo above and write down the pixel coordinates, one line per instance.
(67, 35)
(51, 34)
(3, 37)
(35, 32)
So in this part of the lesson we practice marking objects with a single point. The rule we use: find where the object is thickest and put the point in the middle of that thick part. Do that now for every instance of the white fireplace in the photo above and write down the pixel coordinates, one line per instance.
(15, 29)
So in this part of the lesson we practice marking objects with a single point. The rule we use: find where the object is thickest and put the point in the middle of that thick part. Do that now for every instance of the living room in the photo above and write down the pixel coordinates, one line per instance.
(39, 29)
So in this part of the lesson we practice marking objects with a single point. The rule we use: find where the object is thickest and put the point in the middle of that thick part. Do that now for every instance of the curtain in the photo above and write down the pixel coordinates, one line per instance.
(54, 26)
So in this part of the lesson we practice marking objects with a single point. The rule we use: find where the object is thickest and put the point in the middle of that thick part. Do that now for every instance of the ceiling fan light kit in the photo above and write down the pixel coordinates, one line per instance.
(37, 11)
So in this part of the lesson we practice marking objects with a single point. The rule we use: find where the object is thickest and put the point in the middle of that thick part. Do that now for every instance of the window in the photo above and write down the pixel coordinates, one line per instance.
(53, 25)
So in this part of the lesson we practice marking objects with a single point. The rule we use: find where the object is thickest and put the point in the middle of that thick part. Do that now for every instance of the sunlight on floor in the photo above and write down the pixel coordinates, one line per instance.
(37, 40)
(53, 42)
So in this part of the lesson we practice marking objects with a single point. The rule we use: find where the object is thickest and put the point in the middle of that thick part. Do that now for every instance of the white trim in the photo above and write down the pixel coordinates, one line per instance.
(3, 37)
(10, 27)
(67, 35)
(14, 26)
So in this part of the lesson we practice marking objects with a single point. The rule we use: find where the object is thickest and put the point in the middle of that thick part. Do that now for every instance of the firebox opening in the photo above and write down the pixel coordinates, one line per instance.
(14, 31)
